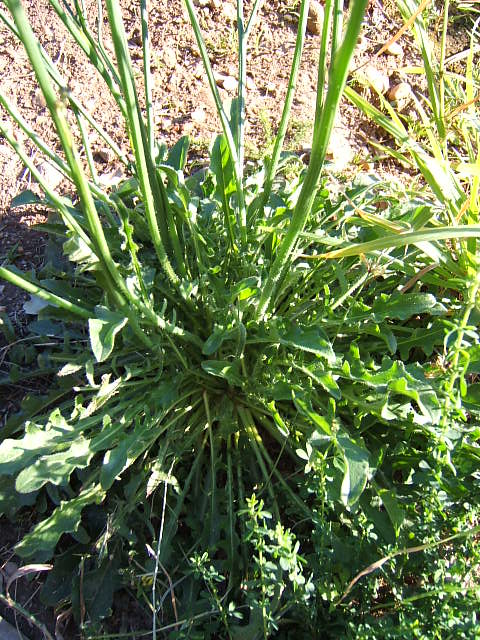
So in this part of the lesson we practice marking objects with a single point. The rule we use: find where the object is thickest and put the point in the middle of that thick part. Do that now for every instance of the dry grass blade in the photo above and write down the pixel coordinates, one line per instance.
(25, 571)
(421, 7)
(423, 547)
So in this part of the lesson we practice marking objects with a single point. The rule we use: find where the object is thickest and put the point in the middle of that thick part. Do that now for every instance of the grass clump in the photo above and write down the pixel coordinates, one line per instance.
(260, 388)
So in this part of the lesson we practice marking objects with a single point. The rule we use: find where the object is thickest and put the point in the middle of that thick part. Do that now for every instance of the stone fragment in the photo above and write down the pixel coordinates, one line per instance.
(50, 174)
(378, 80)
(340, 151)
(394, 49)
(169, 57)
(315, 18)
(104, 155)
(199, 116)
(271, 88)
(198, 71)
(228, 83)
(400, 92)
(136, 38)
(39, 99)
(111, 179)
(229, 11)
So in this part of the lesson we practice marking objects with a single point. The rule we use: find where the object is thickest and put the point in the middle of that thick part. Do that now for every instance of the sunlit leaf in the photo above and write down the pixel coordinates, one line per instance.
(356, 461)
(103, 329)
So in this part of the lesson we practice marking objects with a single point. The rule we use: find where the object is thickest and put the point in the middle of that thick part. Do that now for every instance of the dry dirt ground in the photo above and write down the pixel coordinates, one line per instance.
(183, 105)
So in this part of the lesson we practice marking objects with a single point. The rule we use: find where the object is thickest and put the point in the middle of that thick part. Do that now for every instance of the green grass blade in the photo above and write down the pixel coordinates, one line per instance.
(436, 172)
(403, 239)
(87, 147)
(241, 91)
(408, 8)
(253, 16)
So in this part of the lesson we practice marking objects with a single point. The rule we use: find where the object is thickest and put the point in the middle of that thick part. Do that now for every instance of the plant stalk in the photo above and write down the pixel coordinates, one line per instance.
(287, 106)
(321, 135)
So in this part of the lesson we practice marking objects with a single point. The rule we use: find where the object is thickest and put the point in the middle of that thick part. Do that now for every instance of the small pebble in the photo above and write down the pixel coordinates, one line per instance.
(136, 38)
(394, 49)
(199, 116)
(39, 99)
(271, 87)
(104, 155)
(228, 83)
(230, 11)
(340, 152)
(378, 80)
(50, 174)
(315, 18)
(400, 92)
(169, 57)
(111, 179)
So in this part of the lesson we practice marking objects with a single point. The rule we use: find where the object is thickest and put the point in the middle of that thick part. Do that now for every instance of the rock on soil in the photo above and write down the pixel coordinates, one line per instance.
(375, 78)
(315, 18)
(394, 49)
(229, 11)
(400, 92)
(169, 57)
(50, 174)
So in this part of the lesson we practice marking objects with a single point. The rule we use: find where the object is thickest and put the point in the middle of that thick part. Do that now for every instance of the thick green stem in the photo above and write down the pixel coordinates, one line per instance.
(147, 76)
(287, 105)
(322, 62)
(51, 298)
(135, 127)
(89, 47)
(337, 25)
(224, 120)
(321, 136)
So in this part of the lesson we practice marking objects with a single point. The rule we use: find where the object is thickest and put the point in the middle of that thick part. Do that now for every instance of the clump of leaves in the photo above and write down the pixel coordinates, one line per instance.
(223, 335)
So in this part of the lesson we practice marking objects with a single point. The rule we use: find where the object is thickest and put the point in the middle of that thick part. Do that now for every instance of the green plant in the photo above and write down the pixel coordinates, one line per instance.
(240, 344)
